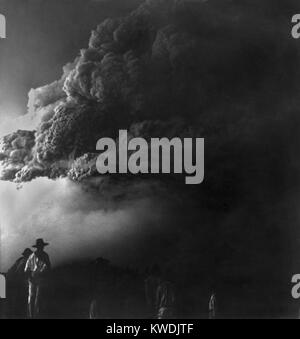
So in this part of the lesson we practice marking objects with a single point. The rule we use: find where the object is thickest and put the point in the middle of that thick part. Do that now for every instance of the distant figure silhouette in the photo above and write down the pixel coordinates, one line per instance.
(166, 298)
(17, 285)
(104, 292)
(212, 306)
(37, 267)
(152, 283)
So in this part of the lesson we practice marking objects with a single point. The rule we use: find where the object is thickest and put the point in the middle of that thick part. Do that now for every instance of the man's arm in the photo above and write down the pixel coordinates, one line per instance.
(28, 265)
(47, 262)
(28, 268)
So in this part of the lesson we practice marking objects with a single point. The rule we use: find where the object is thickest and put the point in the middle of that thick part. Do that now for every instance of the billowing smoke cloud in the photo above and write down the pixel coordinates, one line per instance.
(159, 63)
(214, 69)
(44, 35)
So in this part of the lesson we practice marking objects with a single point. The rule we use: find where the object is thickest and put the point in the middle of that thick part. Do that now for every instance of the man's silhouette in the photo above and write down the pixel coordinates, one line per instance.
(104, 289)
(37, 267)
(16, 279)
(212, 306)
(152, 283)
(166, 297)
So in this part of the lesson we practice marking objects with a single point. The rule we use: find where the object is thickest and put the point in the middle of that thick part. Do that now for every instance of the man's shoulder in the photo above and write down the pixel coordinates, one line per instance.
(30, 259)
(19, 261)
(31, 256)
(45, 256)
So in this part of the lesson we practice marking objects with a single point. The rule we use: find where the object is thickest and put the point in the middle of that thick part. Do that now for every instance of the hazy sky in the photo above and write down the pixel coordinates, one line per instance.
(43, 35)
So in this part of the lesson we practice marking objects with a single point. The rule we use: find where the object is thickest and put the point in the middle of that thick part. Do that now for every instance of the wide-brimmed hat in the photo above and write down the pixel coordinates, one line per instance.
(27, 252)
(40, 243)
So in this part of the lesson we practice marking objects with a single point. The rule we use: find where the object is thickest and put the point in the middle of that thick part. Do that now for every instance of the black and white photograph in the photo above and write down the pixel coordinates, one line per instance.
(149, 161)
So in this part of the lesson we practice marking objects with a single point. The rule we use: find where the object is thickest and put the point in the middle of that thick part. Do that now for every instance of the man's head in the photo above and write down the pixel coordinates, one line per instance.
(40, 245)
(27, 253)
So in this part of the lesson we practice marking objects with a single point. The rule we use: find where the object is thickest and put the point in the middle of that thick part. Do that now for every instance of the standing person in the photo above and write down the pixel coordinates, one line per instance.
(37, 267)
(166, 298)
(105, 296)
(16, 280)
(212, 306)
(152, 283)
